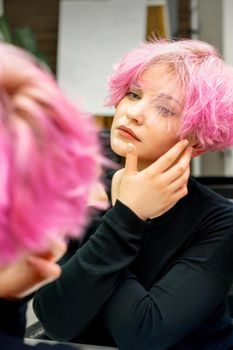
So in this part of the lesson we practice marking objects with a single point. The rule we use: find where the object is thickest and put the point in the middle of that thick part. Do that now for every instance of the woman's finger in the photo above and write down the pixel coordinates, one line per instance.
(179, 169)
(44, 268)
(169, 158)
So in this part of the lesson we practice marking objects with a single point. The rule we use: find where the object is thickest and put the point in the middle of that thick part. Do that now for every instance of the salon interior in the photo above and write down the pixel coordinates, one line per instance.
(101, 31)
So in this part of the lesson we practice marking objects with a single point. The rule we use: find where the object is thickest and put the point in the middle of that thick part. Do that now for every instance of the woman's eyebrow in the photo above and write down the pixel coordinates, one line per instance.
(168, 97)
(135, 86)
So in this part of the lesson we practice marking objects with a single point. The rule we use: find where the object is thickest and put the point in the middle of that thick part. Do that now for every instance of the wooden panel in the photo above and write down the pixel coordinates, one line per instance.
(184, 27)
(156, 22)
(42, 17)
(104, 122)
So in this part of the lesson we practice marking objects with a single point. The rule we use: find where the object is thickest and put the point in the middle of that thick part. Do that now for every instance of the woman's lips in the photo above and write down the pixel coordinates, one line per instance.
(128, 133)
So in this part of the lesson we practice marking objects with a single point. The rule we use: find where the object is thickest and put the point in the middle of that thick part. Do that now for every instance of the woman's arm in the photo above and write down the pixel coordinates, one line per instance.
(177, 304)
(91, 276)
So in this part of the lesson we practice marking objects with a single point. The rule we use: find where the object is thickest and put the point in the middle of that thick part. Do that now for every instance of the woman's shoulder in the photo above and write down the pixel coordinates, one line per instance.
(214, 212)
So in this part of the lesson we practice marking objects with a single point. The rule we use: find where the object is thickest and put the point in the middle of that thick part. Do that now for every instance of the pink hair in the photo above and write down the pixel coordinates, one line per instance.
(49, 155)
(206, 83)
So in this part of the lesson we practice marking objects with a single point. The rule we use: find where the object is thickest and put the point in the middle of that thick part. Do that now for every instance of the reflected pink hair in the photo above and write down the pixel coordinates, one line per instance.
(49, 154)
(205, 80)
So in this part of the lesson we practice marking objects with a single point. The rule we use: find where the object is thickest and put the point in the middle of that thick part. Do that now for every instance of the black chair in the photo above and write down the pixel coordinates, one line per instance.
(220, 184)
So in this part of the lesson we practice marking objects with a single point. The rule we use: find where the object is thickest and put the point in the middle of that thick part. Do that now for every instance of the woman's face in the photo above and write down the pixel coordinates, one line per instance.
(148, 116)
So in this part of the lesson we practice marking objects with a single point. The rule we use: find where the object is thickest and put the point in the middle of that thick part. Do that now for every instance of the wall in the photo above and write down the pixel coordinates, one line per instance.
(211, 22)
(92, 36)
(228, 55)
(42, 17)
(216, 27)
(172, 8)
(1, 7)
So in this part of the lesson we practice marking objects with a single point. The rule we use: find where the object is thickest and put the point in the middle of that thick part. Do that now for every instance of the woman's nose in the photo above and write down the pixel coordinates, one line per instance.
(136, 113)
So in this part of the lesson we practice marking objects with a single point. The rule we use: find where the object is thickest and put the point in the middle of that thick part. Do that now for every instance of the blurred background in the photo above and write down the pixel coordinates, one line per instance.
(79, 40)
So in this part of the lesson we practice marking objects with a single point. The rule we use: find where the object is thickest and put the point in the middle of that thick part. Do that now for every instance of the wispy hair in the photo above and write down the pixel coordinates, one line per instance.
(206, 82)
(49, 154)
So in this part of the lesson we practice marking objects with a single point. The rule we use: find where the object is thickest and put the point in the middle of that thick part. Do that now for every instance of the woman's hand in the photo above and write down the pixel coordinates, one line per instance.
(98, 197)
(23, 277)
(157, 188)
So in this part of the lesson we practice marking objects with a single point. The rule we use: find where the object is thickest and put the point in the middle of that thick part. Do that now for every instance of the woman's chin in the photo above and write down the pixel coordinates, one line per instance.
(121, 153)
(119, 150)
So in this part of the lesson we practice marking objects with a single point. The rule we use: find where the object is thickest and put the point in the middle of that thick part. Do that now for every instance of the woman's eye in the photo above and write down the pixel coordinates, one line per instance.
(165, 111)
(133, 95)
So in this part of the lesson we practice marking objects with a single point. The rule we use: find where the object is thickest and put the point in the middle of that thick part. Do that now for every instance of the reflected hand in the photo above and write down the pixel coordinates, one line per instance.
(98, 197)
(23, 277)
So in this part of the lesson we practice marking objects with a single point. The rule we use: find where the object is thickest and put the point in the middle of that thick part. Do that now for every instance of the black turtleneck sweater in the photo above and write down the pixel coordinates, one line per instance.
(154, 285)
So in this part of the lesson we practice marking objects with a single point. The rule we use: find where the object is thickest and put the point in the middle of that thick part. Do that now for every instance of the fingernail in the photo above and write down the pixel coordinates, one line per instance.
(185, 143)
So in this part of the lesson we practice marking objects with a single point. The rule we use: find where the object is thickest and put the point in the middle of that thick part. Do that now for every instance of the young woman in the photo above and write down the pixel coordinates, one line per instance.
(156, 271)
(49, 162)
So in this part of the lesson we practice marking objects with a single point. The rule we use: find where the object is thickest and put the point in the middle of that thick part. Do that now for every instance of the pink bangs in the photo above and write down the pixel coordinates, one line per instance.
(49, 158)
(205, 80)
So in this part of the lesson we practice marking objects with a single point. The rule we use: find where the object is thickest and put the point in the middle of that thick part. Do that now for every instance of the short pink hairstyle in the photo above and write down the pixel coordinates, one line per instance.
(206, 82)
(49, 154)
